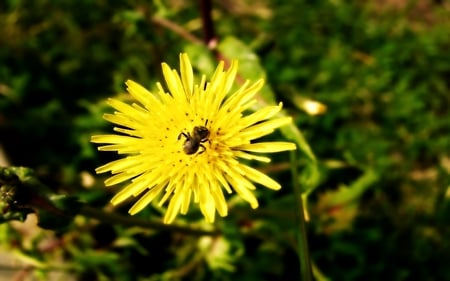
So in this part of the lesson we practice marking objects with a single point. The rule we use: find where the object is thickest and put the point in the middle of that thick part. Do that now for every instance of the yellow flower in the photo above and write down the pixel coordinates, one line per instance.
(188, 142)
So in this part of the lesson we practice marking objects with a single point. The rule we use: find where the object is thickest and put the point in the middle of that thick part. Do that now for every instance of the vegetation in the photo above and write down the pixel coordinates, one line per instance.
(367, 83)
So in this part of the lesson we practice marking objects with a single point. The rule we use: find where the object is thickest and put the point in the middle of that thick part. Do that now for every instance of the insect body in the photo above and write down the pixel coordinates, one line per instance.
(194, 142)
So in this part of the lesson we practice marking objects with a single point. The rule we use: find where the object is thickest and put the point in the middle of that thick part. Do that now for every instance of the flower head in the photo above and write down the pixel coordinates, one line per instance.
(187, 143)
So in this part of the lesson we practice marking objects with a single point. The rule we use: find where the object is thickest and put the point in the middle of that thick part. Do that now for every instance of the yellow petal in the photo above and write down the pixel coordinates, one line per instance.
(144, 200)
(275, 146)
(256, 176)
(187, 75)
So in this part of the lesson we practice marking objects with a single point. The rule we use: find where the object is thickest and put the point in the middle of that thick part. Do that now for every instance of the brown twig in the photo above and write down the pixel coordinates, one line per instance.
(209, 38)
(176, 28)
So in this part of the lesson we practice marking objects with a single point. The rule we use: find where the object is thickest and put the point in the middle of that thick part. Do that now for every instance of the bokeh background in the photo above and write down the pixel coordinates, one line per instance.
(377, 73)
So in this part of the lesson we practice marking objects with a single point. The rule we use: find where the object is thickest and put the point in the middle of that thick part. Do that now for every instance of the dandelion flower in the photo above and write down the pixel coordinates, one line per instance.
(188, 142)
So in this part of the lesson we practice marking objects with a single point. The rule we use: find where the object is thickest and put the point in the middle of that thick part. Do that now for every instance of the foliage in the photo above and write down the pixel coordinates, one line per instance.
(377, 185)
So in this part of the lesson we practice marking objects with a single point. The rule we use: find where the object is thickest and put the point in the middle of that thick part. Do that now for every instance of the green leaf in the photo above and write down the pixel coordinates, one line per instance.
(201, 58)
(350, 193)
(22, 193)
(249, 64)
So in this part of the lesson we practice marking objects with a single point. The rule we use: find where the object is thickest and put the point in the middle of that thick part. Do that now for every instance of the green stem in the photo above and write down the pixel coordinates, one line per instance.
(302, 239)
(131, 221)
(22, 193)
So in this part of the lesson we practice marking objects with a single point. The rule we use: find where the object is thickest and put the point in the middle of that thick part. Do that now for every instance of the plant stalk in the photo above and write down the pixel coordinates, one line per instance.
(302, 238)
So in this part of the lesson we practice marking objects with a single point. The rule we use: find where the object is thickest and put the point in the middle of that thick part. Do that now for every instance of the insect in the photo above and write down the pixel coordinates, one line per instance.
(194, 142)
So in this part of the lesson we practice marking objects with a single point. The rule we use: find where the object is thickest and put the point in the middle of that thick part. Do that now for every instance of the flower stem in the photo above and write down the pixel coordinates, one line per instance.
(302, 239)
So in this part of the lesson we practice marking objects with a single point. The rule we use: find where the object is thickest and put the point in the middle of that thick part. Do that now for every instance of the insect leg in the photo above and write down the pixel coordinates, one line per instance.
(202, 149)
(187, 136)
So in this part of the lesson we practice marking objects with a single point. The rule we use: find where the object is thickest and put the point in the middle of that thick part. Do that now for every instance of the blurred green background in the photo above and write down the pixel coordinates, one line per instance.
(380, 209)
